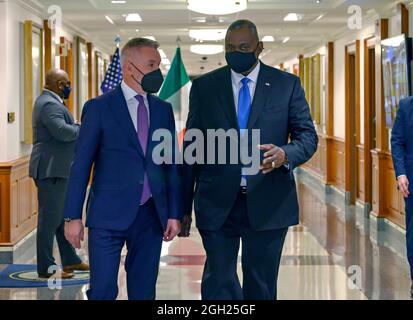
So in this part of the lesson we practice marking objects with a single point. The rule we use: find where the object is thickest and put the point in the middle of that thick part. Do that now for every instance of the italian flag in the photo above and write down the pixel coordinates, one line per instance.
(175, 90)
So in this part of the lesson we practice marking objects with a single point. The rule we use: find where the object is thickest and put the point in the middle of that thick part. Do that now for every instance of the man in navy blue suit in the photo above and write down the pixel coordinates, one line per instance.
(132, 200)
(402, 153)
(231, 205)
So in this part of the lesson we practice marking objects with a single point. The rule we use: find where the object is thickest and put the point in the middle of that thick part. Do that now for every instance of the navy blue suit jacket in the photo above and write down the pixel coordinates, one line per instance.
(108, 140)
(402, 139)
(281, 112)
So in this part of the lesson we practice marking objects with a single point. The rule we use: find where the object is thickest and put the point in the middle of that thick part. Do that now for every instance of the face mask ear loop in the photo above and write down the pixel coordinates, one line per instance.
(137, 68)
(133, 77)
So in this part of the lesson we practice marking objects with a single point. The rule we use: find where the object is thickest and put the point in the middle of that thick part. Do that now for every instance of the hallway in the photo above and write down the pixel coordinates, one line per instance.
(333, 246)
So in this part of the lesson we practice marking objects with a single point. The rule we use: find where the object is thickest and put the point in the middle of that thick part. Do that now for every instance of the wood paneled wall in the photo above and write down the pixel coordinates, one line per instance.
(18, 201)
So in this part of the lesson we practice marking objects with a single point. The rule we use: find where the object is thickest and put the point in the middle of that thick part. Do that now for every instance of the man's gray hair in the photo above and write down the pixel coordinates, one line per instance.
(243, 23)
(136, 43)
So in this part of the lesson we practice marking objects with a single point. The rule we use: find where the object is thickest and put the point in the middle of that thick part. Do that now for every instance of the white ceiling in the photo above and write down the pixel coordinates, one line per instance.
(167, 19)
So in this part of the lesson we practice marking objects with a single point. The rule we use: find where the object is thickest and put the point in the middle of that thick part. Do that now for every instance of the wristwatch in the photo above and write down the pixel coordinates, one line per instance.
(68, 219)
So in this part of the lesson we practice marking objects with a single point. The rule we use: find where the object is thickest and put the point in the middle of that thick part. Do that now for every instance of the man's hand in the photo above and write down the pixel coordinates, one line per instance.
(74, 232)
(173, 228)
(404, 186)
(274, 157)
(186, 227)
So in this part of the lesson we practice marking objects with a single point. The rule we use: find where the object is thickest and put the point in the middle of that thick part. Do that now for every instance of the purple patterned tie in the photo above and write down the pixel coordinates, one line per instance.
(143, 131)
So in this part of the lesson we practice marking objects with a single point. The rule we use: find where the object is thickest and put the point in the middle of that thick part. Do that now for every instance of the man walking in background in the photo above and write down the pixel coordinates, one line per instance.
(54, 138)
(402, 153)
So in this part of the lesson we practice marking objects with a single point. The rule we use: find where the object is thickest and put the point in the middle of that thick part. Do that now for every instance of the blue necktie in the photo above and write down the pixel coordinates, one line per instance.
(244, 108)
(244, 104)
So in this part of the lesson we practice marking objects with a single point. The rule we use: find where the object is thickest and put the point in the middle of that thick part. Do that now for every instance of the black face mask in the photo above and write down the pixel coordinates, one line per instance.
(151, 82)
(241, 62)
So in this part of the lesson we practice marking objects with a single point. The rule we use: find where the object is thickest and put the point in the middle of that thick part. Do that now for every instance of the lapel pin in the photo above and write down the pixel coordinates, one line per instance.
(267, 84)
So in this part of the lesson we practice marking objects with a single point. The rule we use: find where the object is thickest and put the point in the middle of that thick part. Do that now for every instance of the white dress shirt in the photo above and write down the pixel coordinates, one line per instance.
(237, 84)
(132, 103)
(236, 79)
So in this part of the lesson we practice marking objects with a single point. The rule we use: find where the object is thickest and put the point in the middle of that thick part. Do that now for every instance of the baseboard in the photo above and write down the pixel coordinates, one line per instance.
(14, 253)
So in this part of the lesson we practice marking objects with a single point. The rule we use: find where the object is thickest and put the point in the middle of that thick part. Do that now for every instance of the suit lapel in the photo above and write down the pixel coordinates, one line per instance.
(262, 92)
(122, 116)
(154, 113)
(227, 97)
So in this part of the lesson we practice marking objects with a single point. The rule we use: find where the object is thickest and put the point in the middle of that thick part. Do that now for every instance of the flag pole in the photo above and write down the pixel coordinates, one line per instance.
(118, 40)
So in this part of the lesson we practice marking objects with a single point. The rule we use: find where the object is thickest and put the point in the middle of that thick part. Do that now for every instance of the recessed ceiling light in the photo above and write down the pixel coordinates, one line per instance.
(206, 48)
(133, 17)
(267, 39)
(150, 38)
(318, 1)
(118, 2)
(286, 39)
(109, 19)
(207, 34)
(293, 17)
(217, 7)
(319, 17)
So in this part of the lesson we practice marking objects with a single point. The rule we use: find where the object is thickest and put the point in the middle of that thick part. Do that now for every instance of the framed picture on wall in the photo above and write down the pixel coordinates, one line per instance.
(316, 88)
(82, 75)
(396, 59)
(33, 73)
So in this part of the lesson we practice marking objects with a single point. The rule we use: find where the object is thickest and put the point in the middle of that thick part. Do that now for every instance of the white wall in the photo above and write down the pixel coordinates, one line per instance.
(12, 15)
(3, 80)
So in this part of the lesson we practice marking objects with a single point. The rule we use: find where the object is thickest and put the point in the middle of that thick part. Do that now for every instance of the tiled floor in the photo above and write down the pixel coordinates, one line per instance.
(334, 253)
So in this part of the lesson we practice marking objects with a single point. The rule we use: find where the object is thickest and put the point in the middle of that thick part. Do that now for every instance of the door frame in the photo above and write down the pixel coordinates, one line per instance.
(351, 186)
(66, 63)
(369, 107)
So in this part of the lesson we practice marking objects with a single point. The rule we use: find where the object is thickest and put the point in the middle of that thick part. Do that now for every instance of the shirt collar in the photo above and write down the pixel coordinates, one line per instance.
(54, 94)
(129, 93)
(253, 75)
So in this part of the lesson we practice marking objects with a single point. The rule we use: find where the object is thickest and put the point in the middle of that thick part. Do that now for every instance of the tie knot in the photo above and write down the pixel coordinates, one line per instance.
(139, 98)
(245, 81)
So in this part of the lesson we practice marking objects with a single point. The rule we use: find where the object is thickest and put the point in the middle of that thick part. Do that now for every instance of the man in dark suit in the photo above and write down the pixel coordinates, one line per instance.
(54, 137)
(402, 153)
(229, 204)
(132, 199)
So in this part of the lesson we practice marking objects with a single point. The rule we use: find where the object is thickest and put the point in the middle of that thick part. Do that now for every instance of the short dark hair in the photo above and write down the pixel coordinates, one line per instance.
(137, 43)
(243, 23)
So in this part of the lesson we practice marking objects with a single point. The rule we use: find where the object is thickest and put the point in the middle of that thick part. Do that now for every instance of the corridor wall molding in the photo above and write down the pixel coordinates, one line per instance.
(373, 184)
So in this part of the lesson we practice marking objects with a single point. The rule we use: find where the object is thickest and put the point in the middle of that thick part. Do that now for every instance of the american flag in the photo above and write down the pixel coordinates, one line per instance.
(114, 74)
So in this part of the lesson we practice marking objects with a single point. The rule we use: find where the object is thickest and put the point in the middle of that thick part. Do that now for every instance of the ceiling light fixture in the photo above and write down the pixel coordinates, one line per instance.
(109, 19)
(286, 39)
(118, 2)
(133, 17)
(293, 17)
(267, 39)
(206, 49)
(217, 7)
(207, 34)
(319, 17)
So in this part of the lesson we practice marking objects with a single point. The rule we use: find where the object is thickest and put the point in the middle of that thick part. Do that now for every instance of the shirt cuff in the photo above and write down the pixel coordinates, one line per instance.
(402, 175)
